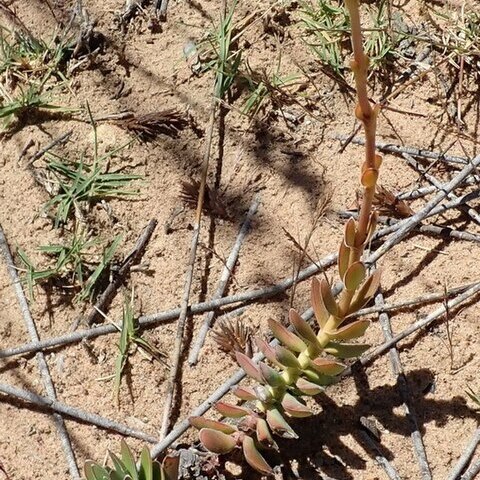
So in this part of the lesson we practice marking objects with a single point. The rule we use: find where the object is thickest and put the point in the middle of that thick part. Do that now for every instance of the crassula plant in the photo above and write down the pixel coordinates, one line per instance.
(306, 359)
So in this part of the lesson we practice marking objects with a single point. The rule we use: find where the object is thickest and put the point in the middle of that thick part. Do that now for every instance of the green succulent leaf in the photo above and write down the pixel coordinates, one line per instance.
(94, 471)
(146, 466)
(128, 460)
(344, 350)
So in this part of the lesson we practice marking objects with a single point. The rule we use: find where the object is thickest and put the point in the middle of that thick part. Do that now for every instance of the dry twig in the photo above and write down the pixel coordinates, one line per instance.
(42, 363)
(62, 409)
(402, 383)
(465, 458)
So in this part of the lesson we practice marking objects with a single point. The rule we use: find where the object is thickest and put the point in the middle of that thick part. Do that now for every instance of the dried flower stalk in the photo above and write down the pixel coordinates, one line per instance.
(305, 361)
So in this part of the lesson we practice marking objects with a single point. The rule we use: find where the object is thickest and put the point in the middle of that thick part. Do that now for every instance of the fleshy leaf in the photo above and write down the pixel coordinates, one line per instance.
(308, 388)
(302, 327)
(286, 357)
(146, 466)
(170, 467)
(128, 460)
(279, 425)
(353, 330)
(317, 377)
(267, 350)
(94, 471)
(345, 350)
(244, 393)
(249, 366)
(295, 408)
(321, 313)
(343, 259)
(263, 434)
(271, 376)
(327, 367)
(369, 177)
(254, 458)
(283, 335)
(350, 232)
(231, 411)
(354, 276)
(328, 299)
(202, 422)
(366, 292)
(216, 442)
(372, 225)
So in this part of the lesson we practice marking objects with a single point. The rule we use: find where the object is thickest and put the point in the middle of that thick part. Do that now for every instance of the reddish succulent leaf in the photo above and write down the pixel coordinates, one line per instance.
(343, 259)
(295, 408)
(378, 160)
(309, 388)
(267, 350)
(327, 367)
(263, 434)
(372, 225)
(353, 330)
(254, 458)
(283, 335)
(321, 313)
(354, 276)
(231, 411)
(248, 366)
(302, 327)
(170, 466)
(271, 376)
(279, 425)
(202, 422)
(328, 299)
(344, 350)
(244, 393)
(350, 232)
(366, 292)
(369, 177)
(286, 357)
(216, 442)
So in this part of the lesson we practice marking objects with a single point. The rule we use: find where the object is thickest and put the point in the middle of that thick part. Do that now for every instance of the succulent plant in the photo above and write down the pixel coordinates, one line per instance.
(125, 468)
(306, 360)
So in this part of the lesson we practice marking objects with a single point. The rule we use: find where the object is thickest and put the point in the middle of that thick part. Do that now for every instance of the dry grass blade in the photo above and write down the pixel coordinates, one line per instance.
(212, 203)
(389, 204)
(234, 336)
(149, 125)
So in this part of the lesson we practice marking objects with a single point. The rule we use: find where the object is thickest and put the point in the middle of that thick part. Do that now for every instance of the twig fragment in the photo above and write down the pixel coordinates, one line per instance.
(131, 259)
(42, 363)
(402, 384)
(62, 409)
(465, 457)
(416, 152)
(224, 278)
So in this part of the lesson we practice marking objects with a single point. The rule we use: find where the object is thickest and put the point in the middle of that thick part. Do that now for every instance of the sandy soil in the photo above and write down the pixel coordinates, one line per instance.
(293, 167)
